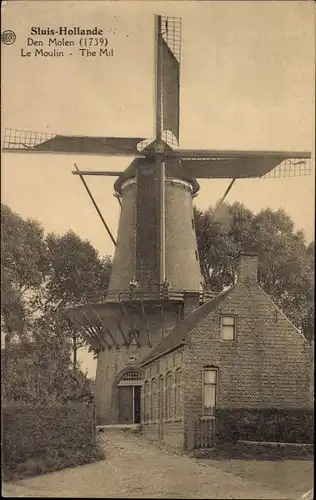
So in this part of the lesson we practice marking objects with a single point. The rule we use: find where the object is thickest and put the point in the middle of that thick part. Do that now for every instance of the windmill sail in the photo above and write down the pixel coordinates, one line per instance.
(168, 75)
(214, 164)
(26, 141)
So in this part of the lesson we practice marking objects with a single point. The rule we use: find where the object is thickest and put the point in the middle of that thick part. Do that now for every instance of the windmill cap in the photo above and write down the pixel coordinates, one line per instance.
(173, 169)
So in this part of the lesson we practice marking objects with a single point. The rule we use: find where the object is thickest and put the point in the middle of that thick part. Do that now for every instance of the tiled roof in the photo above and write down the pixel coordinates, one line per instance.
(180, 333)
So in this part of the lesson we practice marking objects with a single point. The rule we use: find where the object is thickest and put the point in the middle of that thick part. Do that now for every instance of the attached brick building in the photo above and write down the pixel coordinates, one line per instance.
(236, 357)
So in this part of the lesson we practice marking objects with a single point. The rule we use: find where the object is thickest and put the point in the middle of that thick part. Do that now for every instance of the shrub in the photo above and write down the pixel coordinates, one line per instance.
(271, 425)
(38, 439)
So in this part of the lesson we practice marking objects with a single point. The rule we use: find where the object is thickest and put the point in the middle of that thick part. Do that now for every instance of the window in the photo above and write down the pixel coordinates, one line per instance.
(153, 400)
(146, 389)
(210, 384)
(169, 396)
(178, 393)
(161, 399)
(131, 376)
(192, 221)
(196, 255)
(133, 337)
(228, 327)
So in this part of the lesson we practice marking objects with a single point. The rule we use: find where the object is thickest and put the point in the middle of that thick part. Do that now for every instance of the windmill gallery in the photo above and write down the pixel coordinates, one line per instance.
(172, 356)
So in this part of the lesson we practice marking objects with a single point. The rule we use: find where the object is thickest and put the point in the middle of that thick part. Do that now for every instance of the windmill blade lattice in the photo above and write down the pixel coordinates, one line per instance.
(169, 40)
(291, 168)
(24, 141)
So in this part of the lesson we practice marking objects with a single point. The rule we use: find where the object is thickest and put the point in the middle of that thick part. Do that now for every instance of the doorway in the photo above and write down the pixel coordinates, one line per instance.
(129, 399)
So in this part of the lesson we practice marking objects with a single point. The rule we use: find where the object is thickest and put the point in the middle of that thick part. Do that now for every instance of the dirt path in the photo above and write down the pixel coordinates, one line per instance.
(135, 468)
(292, 477)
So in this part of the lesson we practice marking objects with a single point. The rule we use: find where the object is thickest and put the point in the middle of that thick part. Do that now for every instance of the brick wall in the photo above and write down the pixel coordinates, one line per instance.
(110, 364)
(267, 366)
(113, 360)
(168, 428)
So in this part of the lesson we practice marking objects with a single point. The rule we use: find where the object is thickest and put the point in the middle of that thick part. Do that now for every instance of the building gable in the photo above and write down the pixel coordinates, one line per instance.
(268, 364)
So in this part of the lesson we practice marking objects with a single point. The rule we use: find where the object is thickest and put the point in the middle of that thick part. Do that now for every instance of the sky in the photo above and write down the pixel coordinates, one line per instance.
(247, 82)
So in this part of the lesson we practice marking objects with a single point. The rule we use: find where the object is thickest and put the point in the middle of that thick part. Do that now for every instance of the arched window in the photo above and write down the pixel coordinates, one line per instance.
(153, 400)
(145, 400)
(131, 376)
(133, 336)
(210, 388)
(161, 398)
(169, 395)
(178, 393)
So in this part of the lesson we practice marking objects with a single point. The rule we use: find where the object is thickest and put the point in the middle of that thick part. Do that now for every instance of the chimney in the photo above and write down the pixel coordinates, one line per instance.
(247, 268)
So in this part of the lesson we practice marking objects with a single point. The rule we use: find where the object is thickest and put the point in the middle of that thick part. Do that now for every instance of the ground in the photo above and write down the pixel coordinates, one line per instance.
(135, 468)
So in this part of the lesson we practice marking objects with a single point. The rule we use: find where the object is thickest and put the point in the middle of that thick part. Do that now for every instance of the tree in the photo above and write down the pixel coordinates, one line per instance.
(286, 262)
(76, 271)
(50, 378)
(40, 277)
(220, 237)
(24, 265)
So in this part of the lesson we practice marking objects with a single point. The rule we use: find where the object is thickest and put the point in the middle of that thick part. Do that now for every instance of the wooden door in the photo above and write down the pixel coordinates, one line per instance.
(126, 405)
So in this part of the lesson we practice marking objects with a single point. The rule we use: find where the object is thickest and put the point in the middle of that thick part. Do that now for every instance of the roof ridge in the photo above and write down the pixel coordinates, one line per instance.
(180, 332)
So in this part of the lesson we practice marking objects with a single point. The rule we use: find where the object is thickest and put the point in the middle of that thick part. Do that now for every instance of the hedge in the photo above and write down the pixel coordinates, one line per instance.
(31, 432)
(271, 425)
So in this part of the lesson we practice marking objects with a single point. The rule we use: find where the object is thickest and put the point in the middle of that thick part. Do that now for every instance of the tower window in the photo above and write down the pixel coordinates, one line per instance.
(196, 255)
(192, 221)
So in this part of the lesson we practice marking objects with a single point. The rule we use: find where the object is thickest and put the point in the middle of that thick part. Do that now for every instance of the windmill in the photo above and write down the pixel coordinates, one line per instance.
(156, 277)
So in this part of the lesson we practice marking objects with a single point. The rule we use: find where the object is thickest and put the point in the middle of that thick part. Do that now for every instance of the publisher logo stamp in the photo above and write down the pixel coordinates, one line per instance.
(8, 37)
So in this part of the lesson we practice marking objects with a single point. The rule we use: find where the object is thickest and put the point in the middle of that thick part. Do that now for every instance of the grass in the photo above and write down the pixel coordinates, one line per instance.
(51, 460)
